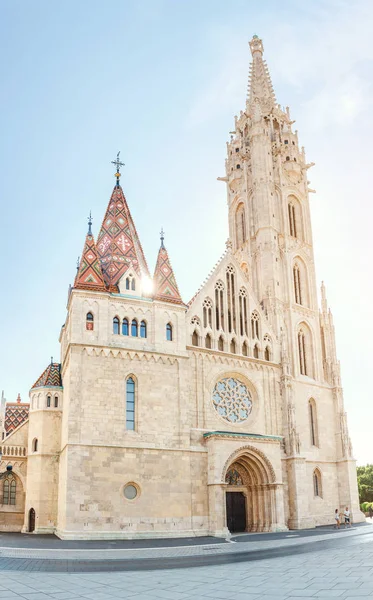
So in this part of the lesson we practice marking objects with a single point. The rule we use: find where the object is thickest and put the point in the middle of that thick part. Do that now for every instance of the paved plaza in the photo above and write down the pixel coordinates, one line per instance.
(333, 565)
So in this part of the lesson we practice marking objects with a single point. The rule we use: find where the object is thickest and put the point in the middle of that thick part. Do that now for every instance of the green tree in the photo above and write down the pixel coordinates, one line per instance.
(365, 483)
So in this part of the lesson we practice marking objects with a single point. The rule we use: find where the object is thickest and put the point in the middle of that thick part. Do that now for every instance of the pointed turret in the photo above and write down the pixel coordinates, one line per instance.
(89, 275)
(165, 286)
(118, 244)
(260, 85)
(50, 377)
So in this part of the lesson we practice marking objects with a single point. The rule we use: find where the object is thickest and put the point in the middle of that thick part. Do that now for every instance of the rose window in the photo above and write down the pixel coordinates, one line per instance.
(232, 400)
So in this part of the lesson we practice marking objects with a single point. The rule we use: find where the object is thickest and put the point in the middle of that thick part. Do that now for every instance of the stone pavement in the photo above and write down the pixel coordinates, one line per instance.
(343, 572)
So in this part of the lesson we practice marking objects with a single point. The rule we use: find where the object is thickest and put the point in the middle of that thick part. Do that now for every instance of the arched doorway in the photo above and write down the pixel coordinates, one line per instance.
(250, 492)
(31, 520)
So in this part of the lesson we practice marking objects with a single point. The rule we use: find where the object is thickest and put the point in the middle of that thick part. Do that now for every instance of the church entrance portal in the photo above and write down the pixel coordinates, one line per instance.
(236, 511)
(250, 493)
(31, 520)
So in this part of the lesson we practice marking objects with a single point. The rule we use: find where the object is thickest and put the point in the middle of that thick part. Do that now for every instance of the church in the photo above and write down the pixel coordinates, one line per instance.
(209, 417)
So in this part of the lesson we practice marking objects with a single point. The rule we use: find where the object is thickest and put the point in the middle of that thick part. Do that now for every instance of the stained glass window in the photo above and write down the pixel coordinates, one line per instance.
(116, 325)
(143, 329)
(125, 330)
(134, 328)
(169, 332)
(130, 404)
(232, 400)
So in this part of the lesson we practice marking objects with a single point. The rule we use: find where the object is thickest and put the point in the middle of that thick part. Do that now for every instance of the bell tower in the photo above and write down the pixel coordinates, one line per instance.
(267, 188)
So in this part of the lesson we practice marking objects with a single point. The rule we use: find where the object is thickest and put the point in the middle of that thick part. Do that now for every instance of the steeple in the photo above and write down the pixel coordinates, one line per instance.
(260, 85)
(89, 275)
(165, 286)
(118, 244)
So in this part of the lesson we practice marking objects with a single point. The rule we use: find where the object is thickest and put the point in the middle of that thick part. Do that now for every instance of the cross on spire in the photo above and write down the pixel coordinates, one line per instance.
(162, 237)
(118, 165)
(90, 223)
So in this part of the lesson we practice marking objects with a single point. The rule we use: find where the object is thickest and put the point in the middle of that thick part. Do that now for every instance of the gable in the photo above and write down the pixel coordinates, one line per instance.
(225, 315)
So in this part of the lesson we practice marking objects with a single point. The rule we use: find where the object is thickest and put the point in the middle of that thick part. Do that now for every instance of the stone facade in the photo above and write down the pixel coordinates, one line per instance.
(223, 414)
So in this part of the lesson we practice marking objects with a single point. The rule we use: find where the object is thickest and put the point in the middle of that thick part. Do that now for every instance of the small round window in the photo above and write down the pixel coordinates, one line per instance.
(130, 491)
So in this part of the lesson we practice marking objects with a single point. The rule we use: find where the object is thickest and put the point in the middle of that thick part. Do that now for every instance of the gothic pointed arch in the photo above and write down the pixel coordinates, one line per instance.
(300, 282)
(305, 350)
(295, 218)
(240, 225)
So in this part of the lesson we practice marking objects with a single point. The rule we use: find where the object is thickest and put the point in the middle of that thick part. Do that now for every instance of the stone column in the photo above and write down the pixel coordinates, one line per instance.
(299, 487)
(217, 510)
(278, 511)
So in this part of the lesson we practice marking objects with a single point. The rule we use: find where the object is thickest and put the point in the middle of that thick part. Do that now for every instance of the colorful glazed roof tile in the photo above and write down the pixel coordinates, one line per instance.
(118, 244)
(89, 275)
(51, 377)
(165, 286)
(15, 414)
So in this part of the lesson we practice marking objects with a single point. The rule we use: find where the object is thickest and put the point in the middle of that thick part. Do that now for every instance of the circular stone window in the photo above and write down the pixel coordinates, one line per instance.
(232, 400)
(130, 491)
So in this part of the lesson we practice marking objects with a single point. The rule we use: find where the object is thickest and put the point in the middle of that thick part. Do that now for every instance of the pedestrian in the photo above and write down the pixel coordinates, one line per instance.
(347, 516)
(337, 519)
(370, 512)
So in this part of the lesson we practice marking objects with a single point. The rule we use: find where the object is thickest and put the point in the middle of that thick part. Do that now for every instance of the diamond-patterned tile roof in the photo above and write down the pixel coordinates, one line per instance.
(89, 275)
(15, 414)
(165, 286)
(118, 244)
(51, 377)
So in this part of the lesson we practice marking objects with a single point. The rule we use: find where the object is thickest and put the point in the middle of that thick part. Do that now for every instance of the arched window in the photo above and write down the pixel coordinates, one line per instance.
(208, 341)
(295, 217)
(219, 305)
(256, 351)
(267, 353)
(48, 401)
(134, 328)
(130, 403)
(313, 422)
(243, 311)
(35, 445)
(169, 332)
(125, 327)
(240, 225)
(221, 344)
(317, 484)
(89, 321)
(302, 352)
(244, 349)
(130, 282)
(195, 338)
(56, 402)
(116, 325)
(255, 325)
(297, 284)
(233, 346)
(143, 329)
(231, 299)
(207, 313)
(9, 490)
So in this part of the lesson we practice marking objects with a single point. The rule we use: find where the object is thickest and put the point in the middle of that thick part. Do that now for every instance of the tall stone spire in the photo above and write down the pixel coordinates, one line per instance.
(89, 275)
(260, 85)
(165, 286)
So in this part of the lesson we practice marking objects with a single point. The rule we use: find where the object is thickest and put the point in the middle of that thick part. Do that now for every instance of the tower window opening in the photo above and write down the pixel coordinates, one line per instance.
(169, 332)
(313, 422)
(125, 327)
(286, 141)
(89, 321)
(297, 284)
(231, 299)
(143, 332)
(233, 346)
(56, 402)
(195, 338)
(35, 445)
(256, 351)
(238, 166)
(267, 353)
(237, 149)
(48, 401)
(302, 352)
(134, 328)
(221, 344)
(116, 326)
(292, 220)
(208, 341)
(288, 158)
(207, 313)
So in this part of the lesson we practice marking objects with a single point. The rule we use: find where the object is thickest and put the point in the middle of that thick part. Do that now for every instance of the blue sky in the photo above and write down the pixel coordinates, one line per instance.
(161, 80)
